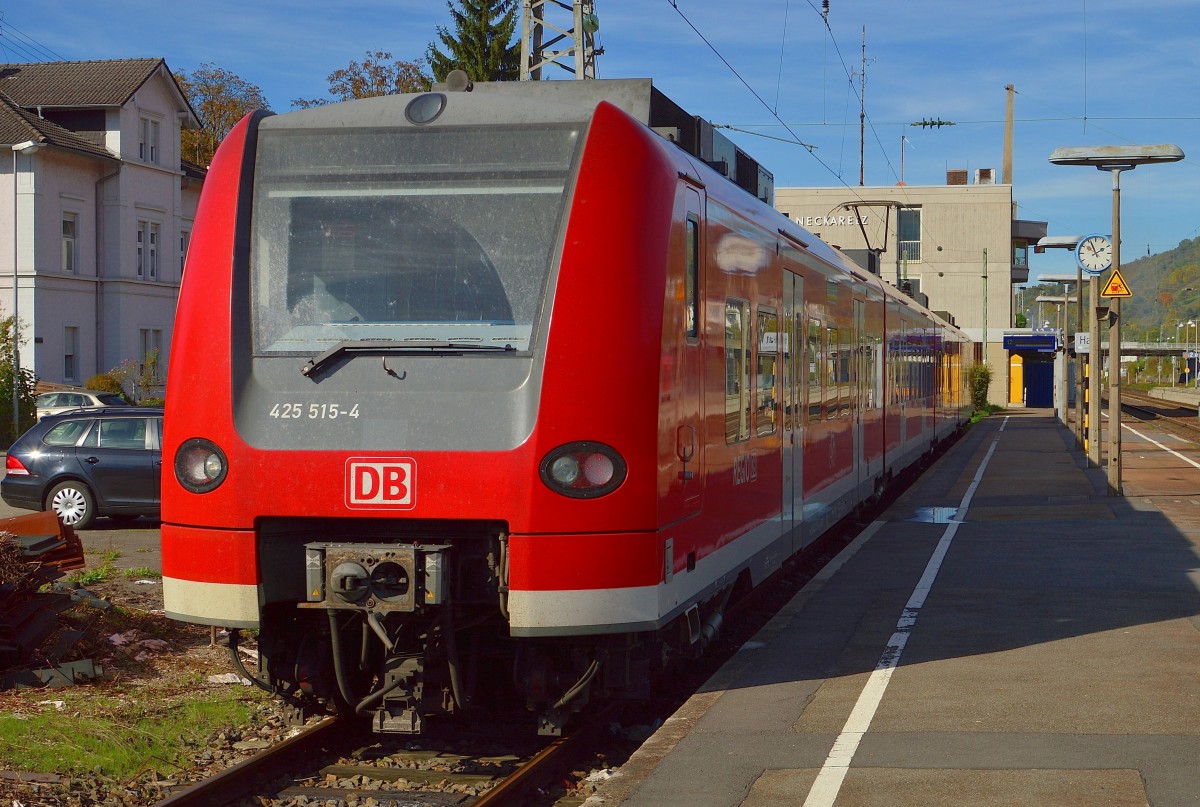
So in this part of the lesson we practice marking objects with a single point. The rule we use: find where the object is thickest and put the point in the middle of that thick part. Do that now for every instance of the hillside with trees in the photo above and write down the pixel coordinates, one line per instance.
(1166, 291)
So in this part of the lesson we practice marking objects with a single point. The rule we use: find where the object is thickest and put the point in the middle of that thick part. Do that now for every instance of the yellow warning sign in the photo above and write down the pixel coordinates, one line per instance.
(1116, 286)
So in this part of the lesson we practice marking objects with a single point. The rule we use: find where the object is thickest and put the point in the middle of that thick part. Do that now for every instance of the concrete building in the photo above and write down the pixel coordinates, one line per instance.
(96, 208)
(955, 247)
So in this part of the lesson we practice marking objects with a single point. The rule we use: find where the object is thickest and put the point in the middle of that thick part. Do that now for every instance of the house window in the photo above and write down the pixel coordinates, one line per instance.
(148, 363)
(69, 223)
(908, 219)
(147, 250)
(148, 141)
(70, 353)
(1021, 254)
(184, 237)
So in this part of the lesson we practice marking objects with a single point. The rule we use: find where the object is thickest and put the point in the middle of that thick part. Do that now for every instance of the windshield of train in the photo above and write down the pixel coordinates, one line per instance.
(404, 235)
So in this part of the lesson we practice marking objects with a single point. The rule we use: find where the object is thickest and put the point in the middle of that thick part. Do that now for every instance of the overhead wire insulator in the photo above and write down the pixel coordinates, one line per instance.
(932, 124)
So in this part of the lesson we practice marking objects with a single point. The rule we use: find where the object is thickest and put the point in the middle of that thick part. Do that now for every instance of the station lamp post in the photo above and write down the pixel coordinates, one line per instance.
(1115, 159)
(1189, 376)
(1070, 242)
(1061, 322)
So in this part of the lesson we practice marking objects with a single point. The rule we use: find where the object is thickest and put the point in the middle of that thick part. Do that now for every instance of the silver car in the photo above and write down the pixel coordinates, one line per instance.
(51, 403)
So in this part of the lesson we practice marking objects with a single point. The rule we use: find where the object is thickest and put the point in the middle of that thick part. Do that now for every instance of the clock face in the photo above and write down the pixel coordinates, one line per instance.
(1095, 253)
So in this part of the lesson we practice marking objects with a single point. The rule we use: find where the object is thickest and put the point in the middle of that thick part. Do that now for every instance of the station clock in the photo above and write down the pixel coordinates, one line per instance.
(1094, 253)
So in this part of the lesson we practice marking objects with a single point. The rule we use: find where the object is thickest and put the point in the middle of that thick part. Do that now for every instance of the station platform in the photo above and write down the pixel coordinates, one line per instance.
(1006, 634)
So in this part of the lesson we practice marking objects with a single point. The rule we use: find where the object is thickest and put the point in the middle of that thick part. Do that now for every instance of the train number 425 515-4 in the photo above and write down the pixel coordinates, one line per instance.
(313, 411)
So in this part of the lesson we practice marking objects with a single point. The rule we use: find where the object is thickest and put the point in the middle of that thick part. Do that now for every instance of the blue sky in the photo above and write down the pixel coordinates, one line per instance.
(1086, 72)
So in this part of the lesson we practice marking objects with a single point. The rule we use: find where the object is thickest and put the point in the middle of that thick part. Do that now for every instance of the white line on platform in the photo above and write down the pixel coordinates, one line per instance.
(829, 780)
(1170, 451)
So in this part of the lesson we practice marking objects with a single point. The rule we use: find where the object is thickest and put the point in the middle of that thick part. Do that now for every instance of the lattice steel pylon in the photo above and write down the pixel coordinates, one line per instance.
(577, 33)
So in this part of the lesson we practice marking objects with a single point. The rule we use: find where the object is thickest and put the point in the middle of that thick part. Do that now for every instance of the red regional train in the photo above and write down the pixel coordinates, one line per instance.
(503, 394)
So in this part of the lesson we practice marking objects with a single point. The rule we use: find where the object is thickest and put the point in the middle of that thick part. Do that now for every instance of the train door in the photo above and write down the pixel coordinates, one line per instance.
(794, 377)
(858, 381)
(690, 436)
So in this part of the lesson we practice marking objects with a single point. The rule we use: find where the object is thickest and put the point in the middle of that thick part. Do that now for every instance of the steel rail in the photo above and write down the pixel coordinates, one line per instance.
(239, 781)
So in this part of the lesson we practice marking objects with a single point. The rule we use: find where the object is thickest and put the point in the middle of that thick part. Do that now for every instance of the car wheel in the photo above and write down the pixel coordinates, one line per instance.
(73, 503)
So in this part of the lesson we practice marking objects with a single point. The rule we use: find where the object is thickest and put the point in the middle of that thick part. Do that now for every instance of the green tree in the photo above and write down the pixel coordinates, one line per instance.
(482, 43)
(221, 99)
(979, 379)
(24, 389)
(377, 74)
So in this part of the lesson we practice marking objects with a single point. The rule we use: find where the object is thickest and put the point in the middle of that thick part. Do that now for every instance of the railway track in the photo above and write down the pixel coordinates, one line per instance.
(336, 760)
(339, 761)
(1177, 418)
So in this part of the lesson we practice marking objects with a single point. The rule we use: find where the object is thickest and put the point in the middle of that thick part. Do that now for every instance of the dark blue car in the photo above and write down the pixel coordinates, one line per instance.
(88, 463)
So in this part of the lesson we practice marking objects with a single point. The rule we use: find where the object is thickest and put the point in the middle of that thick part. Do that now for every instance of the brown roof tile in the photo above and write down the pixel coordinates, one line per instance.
(110, 82)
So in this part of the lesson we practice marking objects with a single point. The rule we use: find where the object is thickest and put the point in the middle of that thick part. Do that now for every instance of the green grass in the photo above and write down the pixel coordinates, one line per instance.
(980, 414)
(117, 736)
(89, 577)
(142, 572)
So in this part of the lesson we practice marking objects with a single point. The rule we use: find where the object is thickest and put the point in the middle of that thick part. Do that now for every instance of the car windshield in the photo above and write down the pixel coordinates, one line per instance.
(109, 399)
(404, 235)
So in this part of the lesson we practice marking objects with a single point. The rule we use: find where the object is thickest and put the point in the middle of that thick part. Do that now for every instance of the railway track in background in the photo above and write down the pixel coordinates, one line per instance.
(1177, 418)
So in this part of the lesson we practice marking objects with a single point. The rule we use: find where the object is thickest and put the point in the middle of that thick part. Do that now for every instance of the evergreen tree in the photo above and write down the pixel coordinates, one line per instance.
(482, 43)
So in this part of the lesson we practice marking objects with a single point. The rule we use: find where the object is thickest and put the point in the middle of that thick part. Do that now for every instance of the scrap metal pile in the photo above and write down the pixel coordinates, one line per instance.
(36, 550)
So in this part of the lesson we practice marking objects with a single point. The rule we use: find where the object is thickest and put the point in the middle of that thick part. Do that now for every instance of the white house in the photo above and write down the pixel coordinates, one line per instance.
(96, 208)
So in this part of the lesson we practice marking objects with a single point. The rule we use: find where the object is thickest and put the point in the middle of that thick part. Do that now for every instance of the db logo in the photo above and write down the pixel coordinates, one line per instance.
(372, 482)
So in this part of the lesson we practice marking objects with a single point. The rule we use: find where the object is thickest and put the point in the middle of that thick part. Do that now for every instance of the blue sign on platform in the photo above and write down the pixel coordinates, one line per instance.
(1041, 343)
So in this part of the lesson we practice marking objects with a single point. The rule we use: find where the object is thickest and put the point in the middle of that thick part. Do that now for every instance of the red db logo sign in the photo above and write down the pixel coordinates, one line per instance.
(374, 483)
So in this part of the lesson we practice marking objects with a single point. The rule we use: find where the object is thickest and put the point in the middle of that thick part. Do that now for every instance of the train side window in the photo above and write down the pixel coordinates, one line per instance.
(816, 363)
(833, 387)
(873, 385)
(737, 371)
(847, 367)
(767, 389)
(794, 356)
(692, 278)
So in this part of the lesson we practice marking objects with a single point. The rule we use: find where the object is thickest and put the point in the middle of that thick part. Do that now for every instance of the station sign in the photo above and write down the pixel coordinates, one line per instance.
(1039, 342)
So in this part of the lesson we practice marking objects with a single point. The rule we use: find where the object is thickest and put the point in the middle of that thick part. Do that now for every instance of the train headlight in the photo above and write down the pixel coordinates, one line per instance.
(199, 465)
(583, 470)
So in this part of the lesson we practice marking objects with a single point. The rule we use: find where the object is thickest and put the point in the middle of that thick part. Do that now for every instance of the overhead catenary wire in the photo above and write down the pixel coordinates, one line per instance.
(675, 5)
(29, 48)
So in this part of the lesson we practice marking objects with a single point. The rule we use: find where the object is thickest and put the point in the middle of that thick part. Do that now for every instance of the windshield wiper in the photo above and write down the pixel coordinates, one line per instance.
(379, 347)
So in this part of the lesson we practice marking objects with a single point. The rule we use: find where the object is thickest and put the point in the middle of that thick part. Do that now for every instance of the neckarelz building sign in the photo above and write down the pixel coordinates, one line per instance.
(844, 220)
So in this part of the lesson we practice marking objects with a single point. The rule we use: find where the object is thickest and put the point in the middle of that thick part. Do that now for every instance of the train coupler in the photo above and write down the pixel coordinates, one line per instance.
(393, 720)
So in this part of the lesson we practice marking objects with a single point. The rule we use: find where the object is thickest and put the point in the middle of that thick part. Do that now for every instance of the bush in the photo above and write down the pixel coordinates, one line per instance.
(980, 378)
(104, 382)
